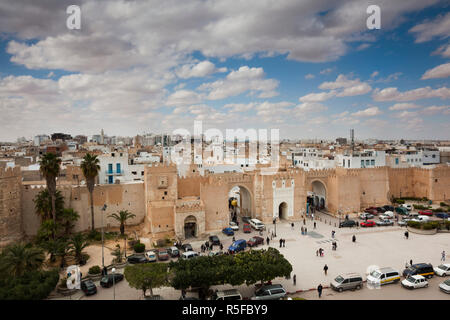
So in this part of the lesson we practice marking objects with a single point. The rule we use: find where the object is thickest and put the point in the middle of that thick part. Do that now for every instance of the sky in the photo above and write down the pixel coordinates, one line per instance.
(312, 69)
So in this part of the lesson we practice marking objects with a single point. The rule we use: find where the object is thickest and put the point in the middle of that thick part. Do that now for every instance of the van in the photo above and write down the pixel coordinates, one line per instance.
(421, 219)
(269, 292)
(389, 214)
(349, 281)
(423, 269)
(382, 276)
(257, 224)
(189, 255)
(225, 295)
(238, 245)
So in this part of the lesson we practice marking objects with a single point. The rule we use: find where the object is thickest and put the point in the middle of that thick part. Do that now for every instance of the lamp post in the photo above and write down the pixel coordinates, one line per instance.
(103, 255)
(114, 282)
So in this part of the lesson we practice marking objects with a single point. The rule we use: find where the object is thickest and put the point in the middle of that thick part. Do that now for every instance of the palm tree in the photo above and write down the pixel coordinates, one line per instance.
(77, 244)
(50, 167)
(20, 258)
(90, 167)
(43, 204)
(63, 251)
(67, 219)
(122, 217)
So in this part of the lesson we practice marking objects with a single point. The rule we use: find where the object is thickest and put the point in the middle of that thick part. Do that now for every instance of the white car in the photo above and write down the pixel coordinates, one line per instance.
(415, 282)
(421, 219)
(257, 224)
(388, 214)
(234, 226)
(442, 270)
(445, 286)
(151, 256)
(407, 206)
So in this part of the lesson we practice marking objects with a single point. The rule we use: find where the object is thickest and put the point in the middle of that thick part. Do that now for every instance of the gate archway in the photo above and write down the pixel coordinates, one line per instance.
(190, 227)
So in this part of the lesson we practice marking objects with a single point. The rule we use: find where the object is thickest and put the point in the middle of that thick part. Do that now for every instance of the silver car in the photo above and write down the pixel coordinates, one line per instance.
(270, 292)
(349, 281)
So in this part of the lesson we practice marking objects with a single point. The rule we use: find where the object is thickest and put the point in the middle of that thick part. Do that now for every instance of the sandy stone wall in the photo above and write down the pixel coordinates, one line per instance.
(10, 206)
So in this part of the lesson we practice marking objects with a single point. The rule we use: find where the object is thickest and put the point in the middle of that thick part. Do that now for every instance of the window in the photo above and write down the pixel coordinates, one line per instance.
(343, 163)
(362, 163)
(396, 160)
(372, 162)
(367, 162)
(165, 193)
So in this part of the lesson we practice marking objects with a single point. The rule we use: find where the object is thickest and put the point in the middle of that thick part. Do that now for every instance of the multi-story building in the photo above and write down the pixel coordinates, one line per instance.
(364, 159)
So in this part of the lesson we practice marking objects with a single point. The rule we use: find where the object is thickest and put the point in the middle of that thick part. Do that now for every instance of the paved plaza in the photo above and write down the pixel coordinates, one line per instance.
(378, 246)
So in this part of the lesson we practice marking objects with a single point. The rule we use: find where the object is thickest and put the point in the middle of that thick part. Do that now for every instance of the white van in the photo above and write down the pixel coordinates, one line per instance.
(189, 255)
(383, 276)
(421, 219)
(408, 206)
(257, 224)
(389, 214)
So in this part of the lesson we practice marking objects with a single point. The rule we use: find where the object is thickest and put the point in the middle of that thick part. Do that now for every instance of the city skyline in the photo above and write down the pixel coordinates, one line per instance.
(312, 70)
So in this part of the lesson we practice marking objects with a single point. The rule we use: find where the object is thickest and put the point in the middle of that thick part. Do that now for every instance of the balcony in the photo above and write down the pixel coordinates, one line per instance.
(114, 172)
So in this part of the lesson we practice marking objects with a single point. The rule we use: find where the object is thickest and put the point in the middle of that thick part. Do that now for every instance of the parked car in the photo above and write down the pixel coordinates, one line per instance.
(137, 258)
(269, 292)
(385, 222)
(347, 223)
(408, 206)
(401, 210)
(225, 295)
(108, 280)
(442, 215)
(445, 286)
(215, 253)
(423, 269)
(257, 224)
(383, 276)
(254, 241)
(247, 228)
(388, 214)
(415, 282)
(349, 281)
(370, 209)
(189, 255)
(88, 287)
(403, 222)
(365, 215)
(442, 270)
(373, 211)
(426, 212)
(368, 223)
(421, 219)
(228, 231)
(151, 256)
(388, 207)
(214, 240)
(187, 247)
(234, 226)
(238, 245)
(381, 209)
(174, 252)
(246, 219)
(163, 255)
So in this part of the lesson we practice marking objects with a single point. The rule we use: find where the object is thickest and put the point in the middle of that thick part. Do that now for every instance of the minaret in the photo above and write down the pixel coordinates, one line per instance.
(102, 137)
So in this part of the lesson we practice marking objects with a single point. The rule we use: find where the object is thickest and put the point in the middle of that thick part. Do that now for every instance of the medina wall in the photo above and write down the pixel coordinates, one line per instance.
(117, 197)
(10, 206)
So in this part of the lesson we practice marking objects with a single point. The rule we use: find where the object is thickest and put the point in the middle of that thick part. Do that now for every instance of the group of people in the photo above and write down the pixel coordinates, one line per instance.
(304, 230)
(320, 252)
(282, 242)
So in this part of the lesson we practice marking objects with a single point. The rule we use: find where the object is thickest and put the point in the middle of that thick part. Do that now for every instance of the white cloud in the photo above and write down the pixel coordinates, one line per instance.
(310, 76)
(317, 97)
(239, 107)
(369, 112)
(437, 28)
(356, 90)
(309, 107)
(183, 97)
(363, 46)
(392, 94)
(350, 87)
(326, 71)
(201, 69)
(441, 71)
(443, 50)
(431, 110)
(404, 106)
(374, 74)
(239, 81)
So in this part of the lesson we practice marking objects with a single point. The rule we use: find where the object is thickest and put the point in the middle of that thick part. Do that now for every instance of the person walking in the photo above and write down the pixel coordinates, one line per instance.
(406, 235)
(319, 290)
(314, 224)
(306, 231)
(292, 226)
(410, 262)
(317, 253)
(294, 279)
(304, 221)
(325, 269)
(302, 230)
(332, 234)
(443, 256)
(281, 242)
(221, 246)
(234, 239)
(267, 240)
(354, 238)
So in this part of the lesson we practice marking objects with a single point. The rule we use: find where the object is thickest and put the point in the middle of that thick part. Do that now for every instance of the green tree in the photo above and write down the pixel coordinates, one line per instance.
(262, 265)
(62, 251)
(20, 258)
(67, 219)
(118, 254)
(147, 276)
(90, 167)
(122, 217)
(46, 231)
(50, 168)
(43, 204)
(77, 244)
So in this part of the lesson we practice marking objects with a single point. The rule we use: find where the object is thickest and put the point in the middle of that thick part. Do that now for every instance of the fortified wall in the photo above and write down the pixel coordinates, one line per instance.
(10, 205)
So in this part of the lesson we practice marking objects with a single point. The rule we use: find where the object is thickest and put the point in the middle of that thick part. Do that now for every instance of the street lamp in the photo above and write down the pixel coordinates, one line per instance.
(103, 256)
(114, 282)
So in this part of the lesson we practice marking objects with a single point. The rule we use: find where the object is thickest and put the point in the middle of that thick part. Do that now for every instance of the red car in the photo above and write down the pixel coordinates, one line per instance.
(254, 241)
(247, 228)
(368, 223)
(426, 213)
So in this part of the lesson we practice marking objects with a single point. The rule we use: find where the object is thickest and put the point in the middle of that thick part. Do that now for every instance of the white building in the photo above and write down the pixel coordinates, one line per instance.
(431, 156)
(365, 159)
(40, 139)
(114, 168)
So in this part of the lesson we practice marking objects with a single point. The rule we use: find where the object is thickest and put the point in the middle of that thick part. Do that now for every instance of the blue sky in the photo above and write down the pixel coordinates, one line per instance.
(310, 69)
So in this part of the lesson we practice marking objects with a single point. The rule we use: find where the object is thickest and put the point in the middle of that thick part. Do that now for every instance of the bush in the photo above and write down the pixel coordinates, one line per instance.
(399, 201)
(35, 285)
(420, 207)
(95, 270)
(443, 204)
(139, 247)
(414, 224)
(95, 235)
(439, 210)
(430, 225)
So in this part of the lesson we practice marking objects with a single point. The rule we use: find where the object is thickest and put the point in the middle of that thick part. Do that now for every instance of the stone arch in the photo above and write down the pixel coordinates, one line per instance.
(190, 227)
(320, 193)
(245, 201)
(282, 210)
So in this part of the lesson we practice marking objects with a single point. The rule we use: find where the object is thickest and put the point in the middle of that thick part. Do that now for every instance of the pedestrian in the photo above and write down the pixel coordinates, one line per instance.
(357, 224)
(314, 224)
(354, 238)
(294, 279)
(284, 243)
(410, 262)
(301, 230)
(406, 234)
(332, 234)
(319, 290)
(321, 252)
(221, 246)
(267, 240)
(306, 231)
(202, 248)
(183, 293)
(292, 226)
(281, 242)
(317, 253)
(325, 269)
(406, 265)
(304, 221)
(234, 239)
(443, 256)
